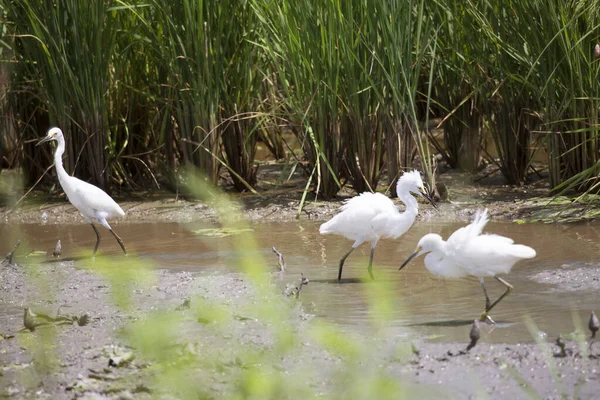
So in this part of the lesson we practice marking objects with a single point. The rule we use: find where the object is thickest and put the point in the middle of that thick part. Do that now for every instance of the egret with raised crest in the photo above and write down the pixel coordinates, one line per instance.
(369, 217)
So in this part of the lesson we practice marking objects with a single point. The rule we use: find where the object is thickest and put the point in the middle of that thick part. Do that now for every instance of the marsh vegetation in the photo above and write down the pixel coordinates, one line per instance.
(142, 89)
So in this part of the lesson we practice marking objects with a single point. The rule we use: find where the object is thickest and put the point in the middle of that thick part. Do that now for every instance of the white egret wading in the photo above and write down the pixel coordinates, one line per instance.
(469, 252)
(91, 201)
(369, 217)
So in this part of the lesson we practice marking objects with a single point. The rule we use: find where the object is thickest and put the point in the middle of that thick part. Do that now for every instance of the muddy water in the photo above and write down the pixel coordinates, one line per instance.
(423, 305)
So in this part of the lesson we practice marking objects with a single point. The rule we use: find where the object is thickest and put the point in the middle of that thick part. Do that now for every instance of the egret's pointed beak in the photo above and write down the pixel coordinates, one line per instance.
(413, 255)
(427, 196)
(44, 140)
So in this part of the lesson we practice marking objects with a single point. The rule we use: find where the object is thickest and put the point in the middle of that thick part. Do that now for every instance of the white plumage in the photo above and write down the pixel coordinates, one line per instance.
(369, 217)
(91, 201)
(470, 252)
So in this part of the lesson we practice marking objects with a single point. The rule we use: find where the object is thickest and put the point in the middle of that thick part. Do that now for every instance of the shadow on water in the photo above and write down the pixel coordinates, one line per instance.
(423, 304)
(461, 322)
(55, 260)
(442, 324)
(343, 281)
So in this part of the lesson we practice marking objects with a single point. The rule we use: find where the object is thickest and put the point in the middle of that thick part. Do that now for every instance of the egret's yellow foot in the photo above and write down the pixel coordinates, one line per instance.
(486, 318)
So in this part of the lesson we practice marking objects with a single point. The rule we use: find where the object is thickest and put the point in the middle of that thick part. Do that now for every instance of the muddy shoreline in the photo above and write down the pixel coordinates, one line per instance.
(80, 366)
(466, 193)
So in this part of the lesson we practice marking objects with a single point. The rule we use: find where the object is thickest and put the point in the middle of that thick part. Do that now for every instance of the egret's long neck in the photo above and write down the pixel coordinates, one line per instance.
(412, 206)
(401, 222)
(60, 170)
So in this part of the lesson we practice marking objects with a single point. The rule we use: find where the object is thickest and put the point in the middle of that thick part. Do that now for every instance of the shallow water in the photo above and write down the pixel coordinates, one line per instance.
(422, 305)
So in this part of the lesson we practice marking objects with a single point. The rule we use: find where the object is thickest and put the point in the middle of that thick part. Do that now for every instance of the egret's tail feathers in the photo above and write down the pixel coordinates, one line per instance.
(481, 217)
(479, 222)
(522, 251)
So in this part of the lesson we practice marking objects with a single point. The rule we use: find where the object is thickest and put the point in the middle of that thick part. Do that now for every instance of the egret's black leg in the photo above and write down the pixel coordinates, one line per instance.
(342, 263)
(509, 288)
(487, 298)
(370, 268)
(97, 239)
(119, 240)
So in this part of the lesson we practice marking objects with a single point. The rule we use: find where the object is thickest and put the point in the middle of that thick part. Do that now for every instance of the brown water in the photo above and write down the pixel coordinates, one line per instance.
(423, 305)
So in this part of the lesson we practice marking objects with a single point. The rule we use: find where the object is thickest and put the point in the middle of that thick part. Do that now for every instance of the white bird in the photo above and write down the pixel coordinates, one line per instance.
(469, 252)
(91, 201)
(369, 217)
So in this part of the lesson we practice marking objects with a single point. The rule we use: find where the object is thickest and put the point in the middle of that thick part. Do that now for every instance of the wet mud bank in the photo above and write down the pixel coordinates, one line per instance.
(96, 360)
(466, 194)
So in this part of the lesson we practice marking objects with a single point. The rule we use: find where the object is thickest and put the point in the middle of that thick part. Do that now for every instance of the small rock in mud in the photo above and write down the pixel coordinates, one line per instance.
(118, 356)
(83, 320)
(184, 306)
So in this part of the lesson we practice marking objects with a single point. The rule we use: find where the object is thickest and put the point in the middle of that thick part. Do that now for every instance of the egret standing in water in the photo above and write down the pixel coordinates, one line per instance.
(369, 217)
(91, 201)
(469, 252)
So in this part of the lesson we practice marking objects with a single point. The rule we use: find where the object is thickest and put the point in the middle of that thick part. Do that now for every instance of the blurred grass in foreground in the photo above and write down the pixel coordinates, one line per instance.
(260, 349)
(251, 342)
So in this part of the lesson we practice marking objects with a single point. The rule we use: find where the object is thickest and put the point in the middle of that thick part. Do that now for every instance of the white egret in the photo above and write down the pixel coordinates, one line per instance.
(91, 201)
(369, 217)
(469, 252)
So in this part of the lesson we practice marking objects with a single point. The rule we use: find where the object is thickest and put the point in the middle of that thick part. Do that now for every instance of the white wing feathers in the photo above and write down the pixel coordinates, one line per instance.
(96, 200)
(462, 236)
(481, 219)
(364, 210)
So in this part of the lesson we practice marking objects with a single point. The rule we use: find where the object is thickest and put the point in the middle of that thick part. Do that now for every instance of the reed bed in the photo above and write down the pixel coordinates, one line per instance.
(145, 88)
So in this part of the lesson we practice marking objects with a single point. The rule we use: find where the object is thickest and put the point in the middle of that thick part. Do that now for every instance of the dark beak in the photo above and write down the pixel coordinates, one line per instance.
(428, 196)
(44, 140)
(413, 255)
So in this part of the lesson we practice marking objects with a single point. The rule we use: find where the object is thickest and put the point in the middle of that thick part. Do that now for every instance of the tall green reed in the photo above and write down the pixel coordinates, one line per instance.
(242, 114)
(349, 73)
(460, 82)
(64, 50)
(544, 81)
(512, 97)
(179, 35)
(301, 43)
(570, 93)
(137, 113)
(406, 55)
(141, 89)
(206, 51)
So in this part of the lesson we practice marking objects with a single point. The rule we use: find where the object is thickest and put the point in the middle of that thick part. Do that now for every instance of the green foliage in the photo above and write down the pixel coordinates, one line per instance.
(123, 275)
(349, 73)
(143, 88)
(66, 48)
(276, 368)
(212, 71)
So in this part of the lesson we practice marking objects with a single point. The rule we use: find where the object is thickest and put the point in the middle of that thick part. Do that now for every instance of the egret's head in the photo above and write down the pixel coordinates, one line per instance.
(53, 134)
(428, 243)
(412, 182)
